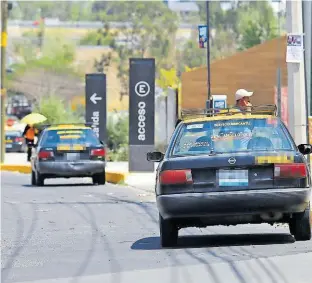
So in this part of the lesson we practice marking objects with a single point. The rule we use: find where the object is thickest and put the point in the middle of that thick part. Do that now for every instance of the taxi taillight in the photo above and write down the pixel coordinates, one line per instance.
(98, 152)
(45, 155)
(176, 177)
(290, 170)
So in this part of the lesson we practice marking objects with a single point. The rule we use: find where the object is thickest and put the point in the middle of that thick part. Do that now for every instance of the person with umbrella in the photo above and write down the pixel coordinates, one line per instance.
(29, 134)
(30, 131)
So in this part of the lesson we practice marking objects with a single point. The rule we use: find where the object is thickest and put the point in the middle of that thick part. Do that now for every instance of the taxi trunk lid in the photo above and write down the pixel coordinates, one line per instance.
(71, 153)
(243, 171)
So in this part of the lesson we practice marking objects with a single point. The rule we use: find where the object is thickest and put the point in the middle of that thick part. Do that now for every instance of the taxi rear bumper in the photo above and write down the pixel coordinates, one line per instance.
(70, 169)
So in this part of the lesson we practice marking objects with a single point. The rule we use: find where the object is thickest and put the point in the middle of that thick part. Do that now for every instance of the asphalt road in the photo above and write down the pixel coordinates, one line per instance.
(72, 231)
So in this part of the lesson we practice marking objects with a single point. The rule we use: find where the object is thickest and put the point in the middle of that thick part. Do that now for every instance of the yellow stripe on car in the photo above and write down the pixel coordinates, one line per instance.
(69, 132)
(63, 147)
(69, 127)
(274, 159)
(78, 147)
(64, 137)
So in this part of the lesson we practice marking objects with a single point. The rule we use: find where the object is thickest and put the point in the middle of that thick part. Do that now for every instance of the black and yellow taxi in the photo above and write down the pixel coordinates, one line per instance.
(230, 167)
(65, 151)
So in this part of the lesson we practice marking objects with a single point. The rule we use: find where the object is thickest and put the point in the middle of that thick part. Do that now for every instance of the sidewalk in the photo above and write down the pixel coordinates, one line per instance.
(143, 181)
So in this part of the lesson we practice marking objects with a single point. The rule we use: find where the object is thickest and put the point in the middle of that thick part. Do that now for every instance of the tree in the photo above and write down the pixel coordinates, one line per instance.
(140, 37)
(50, 74)
(63, 10)
(241, 26)
(258, 24)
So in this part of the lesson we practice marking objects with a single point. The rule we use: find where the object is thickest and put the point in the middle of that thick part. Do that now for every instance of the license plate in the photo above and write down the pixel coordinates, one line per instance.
(233, 178)
(8, 141)
(8, 146)
(72, 156)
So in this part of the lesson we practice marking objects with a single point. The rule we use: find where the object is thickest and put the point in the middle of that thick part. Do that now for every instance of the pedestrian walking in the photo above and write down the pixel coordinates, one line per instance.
(29, 134)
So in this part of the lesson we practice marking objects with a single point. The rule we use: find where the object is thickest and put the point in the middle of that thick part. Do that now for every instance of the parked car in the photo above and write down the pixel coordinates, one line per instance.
(15, 142)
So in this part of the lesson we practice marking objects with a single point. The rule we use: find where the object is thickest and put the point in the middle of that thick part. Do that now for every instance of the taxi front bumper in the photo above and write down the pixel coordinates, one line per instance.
(71, 169)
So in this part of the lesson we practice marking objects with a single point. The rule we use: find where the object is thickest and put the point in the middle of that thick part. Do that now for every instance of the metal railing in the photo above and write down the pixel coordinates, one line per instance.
(267, 109)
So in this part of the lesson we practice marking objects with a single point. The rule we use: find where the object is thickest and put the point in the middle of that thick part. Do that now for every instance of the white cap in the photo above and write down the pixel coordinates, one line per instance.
(242, 93)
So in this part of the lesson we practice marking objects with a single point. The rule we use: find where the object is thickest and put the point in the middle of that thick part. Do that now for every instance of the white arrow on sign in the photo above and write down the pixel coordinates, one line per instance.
(94, 98)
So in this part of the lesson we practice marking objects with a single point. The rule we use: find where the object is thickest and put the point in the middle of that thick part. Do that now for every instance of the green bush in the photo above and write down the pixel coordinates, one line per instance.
(118, 132)
(96, 38)
(56, 111)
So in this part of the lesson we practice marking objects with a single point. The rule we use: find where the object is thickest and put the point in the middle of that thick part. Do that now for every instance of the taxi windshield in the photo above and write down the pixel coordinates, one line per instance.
(229, 136)
(65, 136)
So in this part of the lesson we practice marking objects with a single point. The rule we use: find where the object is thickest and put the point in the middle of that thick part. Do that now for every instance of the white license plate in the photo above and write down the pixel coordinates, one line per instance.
(8, 146)
(72, 156)
(233, 178)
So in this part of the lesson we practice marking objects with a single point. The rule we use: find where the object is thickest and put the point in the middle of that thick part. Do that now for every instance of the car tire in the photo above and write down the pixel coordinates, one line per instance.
(39, 180)
(99, 178)
(33, 178)
(168, 232)
(300, 226)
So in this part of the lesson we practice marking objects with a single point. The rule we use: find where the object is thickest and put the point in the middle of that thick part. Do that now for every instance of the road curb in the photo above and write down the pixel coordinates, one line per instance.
(26, 169)
(111, 176)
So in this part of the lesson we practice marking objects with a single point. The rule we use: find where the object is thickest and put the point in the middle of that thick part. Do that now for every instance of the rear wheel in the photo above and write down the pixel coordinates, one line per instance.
(99, 178)
(39, 180)
(300, 225)
(33, 178)
(168, 232)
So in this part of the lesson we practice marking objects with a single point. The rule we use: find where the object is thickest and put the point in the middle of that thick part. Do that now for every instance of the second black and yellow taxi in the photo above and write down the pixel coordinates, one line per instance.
(65, 151)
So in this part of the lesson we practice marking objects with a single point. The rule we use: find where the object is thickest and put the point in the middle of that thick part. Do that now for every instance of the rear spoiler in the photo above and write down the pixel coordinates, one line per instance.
(268, 109)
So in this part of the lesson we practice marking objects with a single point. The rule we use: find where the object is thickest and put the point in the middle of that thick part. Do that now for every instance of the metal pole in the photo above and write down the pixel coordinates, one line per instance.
(4, 16)
(307, 22)
(208, 49)
(296, 81)
(279, 94)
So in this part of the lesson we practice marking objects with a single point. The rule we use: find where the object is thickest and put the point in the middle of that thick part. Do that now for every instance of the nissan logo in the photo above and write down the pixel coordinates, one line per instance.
(232, 160)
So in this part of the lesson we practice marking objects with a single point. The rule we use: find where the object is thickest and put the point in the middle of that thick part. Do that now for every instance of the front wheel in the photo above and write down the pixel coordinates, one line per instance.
(168, 232)
(300, 225)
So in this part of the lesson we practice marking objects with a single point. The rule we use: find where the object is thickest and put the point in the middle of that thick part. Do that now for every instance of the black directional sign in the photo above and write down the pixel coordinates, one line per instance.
(142, 113)
(96, 104)
(142, 102)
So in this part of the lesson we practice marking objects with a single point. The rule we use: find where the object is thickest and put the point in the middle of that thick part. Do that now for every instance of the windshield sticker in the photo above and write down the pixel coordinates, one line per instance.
(231, 135)
(195, 126)
(238, 123)
(195, 144)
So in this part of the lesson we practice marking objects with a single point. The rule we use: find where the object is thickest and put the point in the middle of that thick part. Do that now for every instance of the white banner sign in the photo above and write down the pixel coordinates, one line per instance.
(294, 52)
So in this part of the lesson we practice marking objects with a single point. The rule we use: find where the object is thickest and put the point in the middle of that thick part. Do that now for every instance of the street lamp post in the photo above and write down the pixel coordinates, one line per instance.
(4, 16)
(208, 51)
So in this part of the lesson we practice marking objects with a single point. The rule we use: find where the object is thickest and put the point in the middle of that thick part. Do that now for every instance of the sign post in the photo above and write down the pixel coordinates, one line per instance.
(141, 113)
(96, 104)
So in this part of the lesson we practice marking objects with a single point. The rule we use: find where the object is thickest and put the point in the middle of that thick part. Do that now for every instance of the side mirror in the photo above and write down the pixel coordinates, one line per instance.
(101, 142)
(155, 156)
(305, 148)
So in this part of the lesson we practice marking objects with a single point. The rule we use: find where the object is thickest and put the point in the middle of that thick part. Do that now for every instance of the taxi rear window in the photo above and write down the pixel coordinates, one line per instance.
(71, 136)
(229, 136)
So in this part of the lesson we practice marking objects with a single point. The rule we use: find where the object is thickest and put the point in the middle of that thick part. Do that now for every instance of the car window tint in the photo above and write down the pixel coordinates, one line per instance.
(237, 135)
(81, 136)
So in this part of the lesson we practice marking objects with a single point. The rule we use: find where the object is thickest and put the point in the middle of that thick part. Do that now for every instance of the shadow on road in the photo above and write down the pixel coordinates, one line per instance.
(60, 185)
(153, 243)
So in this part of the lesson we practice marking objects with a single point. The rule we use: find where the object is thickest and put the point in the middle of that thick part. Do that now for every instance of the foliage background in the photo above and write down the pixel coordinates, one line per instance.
(48, 71)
